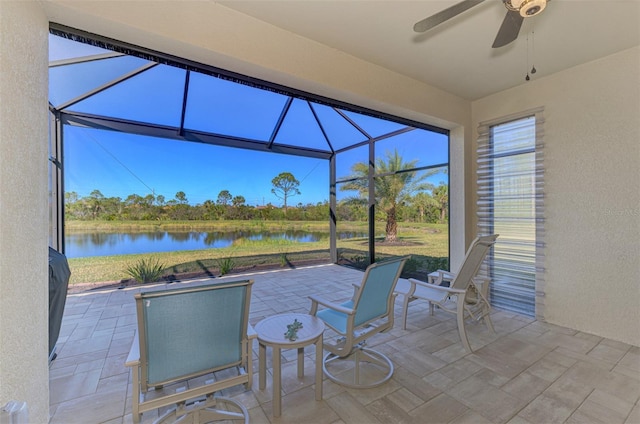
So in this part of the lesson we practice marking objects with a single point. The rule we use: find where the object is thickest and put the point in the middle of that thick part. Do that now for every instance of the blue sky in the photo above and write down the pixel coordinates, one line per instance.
(120, 164)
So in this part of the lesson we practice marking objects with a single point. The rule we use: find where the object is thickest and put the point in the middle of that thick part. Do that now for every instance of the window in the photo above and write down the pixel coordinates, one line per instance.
(510, 203)
(136, 126)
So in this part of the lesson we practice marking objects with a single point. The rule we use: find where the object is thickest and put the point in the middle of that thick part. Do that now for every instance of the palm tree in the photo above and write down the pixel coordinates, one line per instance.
(422, 201)
(395, 186)
(441, 195)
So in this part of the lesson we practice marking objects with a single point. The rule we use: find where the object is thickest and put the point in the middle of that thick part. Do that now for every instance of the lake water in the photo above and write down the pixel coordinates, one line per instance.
(79, 245)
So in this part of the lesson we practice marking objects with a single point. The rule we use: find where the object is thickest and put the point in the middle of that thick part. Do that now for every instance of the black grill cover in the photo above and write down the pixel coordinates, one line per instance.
(59, 274)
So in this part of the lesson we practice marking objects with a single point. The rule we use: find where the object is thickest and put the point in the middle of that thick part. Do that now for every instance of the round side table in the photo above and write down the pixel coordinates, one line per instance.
(271, 332)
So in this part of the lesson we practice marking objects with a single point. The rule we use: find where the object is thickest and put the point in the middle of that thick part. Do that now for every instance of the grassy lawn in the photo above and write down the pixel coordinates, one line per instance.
(427, 243)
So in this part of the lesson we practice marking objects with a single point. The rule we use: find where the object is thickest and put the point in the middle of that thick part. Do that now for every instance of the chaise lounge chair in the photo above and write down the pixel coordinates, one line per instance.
(466, 295)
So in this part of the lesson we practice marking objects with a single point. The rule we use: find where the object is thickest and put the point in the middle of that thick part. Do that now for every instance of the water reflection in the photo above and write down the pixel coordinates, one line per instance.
(84, 244)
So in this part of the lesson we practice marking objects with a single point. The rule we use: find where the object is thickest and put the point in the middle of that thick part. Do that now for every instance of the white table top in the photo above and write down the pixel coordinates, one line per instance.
(272, 329)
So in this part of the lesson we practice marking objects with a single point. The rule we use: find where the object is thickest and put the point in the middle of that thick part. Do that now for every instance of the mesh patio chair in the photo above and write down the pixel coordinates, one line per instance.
(466, 295)
(191, 343)
(368, 312)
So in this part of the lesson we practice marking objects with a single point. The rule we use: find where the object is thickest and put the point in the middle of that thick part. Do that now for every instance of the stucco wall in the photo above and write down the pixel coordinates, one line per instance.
(23, 208)
(592, 194)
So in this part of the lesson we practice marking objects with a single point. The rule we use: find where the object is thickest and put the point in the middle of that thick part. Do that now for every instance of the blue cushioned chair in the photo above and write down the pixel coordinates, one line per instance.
(186, 333)
(368, 312)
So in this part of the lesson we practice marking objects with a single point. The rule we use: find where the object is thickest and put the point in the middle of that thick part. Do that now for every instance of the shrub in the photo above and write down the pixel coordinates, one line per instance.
(146, 270)
(225, 265)
(411, 266)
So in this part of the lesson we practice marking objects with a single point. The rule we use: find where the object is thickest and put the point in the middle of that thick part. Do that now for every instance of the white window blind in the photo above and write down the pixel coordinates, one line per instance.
(511, 204)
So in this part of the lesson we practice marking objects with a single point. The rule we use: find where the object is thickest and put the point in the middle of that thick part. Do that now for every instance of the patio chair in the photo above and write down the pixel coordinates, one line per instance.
(368, 312)
(191, 343)
(466, 295)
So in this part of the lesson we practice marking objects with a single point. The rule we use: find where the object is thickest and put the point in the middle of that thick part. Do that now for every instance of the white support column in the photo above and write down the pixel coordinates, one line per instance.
(24, 304)
(457, 188)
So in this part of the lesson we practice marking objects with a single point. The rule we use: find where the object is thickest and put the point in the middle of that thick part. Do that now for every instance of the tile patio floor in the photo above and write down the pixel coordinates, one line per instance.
(528, 372)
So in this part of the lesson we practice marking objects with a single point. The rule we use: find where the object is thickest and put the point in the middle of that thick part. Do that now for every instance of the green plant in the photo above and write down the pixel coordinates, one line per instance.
(282, 253)
(411, 265)
(432, 263)
(225, 265)
(359, 261)
(146, 270)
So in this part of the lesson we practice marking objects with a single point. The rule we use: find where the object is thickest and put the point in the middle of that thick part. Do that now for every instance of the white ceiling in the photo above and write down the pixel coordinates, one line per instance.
(457, 56)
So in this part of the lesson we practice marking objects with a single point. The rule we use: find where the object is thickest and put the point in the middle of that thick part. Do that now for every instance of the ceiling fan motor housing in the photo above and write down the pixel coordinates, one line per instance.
(526, 8)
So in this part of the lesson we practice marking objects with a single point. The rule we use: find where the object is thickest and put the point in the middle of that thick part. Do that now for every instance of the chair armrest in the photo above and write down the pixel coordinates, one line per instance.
(448, 275)
(415, 283)
(316, 300)
(133, 360)
(251, 332)
(439, 276)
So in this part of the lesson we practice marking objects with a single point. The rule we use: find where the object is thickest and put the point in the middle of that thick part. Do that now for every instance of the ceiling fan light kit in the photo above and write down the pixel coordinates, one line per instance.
(517, 10)
(526, 8)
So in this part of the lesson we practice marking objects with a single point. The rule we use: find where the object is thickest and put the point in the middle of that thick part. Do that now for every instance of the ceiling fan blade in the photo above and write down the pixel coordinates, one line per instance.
(509, 29)
(445, 15)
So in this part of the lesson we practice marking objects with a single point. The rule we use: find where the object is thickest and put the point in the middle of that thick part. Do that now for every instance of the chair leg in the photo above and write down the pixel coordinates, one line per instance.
(461, 329)
(483, 296)
(405, 309)
(135, 405)
(487, 319)
(210, 414)
(379, 368)
(249, 365)
(213, 409)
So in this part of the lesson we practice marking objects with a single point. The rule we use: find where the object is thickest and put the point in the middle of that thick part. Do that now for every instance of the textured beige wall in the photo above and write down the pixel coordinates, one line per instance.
(23, 208)
(592, 189)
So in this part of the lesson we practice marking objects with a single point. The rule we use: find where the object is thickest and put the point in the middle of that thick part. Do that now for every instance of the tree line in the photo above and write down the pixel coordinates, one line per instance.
(403, 195)
(422, 207)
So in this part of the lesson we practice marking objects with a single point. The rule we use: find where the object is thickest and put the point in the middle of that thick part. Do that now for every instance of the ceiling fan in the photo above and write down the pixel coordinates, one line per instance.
(517, 10)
